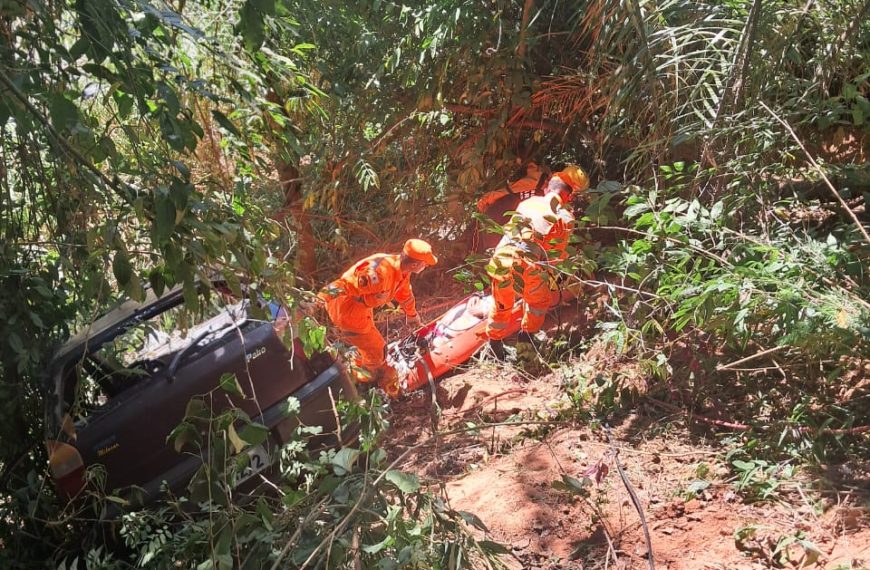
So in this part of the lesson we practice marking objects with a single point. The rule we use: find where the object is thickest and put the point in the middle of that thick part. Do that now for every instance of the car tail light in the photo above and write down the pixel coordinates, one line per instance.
(67, 467)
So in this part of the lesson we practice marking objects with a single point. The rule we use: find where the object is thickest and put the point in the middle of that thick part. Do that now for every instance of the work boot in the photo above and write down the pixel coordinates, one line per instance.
(497, 348)
(501, 352)
(528, 348)
(535, 339)
(387, 379)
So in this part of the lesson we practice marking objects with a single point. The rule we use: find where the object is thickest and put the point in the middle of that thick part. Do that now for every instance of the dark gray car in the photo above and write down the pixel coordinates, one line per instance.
(119, 387)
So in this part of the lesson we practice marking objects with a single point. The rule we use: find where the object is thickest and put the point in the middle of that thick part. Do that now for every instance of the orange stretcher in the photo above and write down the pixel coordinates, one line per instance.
(449, 341)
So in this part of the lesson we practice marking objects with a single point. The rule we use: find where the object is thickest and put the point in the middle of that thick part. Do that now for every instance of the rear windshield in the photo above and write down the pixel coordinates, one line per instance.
(145, 350)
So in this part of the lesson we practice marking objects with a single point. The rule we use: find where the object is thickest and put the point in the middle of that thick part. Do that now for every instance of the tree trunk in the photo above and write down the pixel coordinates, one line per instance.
(527, 10)
(291, 185)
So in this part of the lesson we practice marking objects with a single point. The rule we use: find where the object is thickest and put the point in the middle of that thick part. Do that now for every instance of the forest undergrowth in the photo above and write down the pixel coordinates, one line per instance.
(723, 249)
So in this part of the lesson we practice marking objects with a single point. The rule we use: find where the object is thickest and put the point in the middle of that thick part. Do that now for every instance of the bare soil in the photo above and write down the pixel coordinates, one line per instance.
(505, 475)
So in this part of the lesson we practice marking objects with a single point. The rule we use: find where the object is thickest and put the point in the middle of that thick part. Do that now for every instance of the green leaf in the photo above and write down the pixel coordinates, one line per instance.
(157, 280)
(743, 465)
(251, 23)
(696, 487)
(577, 485)
(189, 290)
(64, 113)
(492, 547)
(134, 288)
(197, 409)
(635, 209)
(16, 344)
(225, 122)
(121, 268)
(184, 433)
(406, 482)
(610, 186)
(181, 168)
(235, 440)
(375, 548)
(254, 433)
(290, 407)
(343, 461)
(312, 335)
(230, 384)
(849, 91)
(179, 193)
(124, 103)
(164, 220)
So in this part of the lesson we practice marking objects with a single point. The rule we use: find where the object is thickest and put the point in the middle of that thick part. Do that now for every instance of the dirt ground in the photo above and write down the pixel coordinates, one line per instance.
(696, 519)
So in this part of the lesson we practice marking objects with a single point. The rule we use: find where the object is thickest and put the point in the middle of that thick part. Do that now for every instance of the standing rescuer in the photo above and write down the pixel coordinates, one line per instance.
(535, 239)
(370, 283)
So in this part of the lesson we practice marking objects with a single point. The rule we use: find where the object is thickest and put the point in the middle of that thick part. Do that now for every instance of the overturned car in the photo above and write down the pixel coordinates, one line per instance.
(118, 388)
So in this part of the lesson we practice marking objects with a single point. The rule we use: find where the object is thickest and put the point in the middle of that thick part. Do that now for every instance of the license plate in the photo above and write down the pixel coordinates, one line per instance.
(258, 460)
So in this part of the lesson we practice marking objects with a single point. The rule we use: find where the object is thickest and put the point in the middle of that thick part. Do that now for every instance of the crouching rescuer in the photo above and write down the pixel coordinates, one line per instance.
(370, 283)
(535, 239)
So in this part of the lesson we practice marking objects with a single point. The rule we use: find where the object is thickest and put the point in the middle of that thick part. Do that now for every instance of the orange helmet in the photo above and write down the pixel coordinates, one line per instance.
(419, 250)
(575, 177)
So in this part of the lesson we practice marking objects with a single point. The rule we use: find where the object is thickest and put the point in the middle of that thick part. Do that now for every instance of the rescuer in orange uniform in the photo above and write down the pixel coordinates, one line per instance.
(525, 187)
(370, 283)
(496, 203)
(535, 239)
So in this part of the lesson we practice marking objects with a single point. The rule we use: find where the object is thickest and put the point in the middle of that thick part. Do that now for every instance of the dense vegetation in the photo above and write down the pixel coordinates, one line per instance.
(148, 144)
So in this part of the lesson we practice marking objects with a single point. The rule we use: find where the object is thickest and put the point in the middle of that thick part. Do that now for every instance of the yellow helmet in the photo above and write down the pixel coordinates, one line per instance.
(575, 177)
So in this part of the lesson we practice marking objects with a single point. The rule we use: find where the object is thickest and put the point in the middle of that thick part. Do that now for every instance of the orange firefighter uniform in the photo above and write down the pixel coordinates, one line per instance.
(370, 283)
(496, 203)
(535, 239)
(523, 188)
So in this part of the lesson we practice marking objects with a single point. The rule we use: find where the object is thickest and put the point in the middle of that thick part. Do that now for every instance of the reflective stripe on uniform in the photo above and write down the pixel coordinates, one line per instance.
(333, 290)
(535, 310)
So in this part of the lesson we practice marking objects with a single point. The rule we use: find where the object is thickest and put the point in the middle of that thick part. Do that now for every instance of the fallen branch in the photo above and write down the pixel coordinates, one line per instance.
(748, 358)
(837, 431)
(706, 420)
(634, 499)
